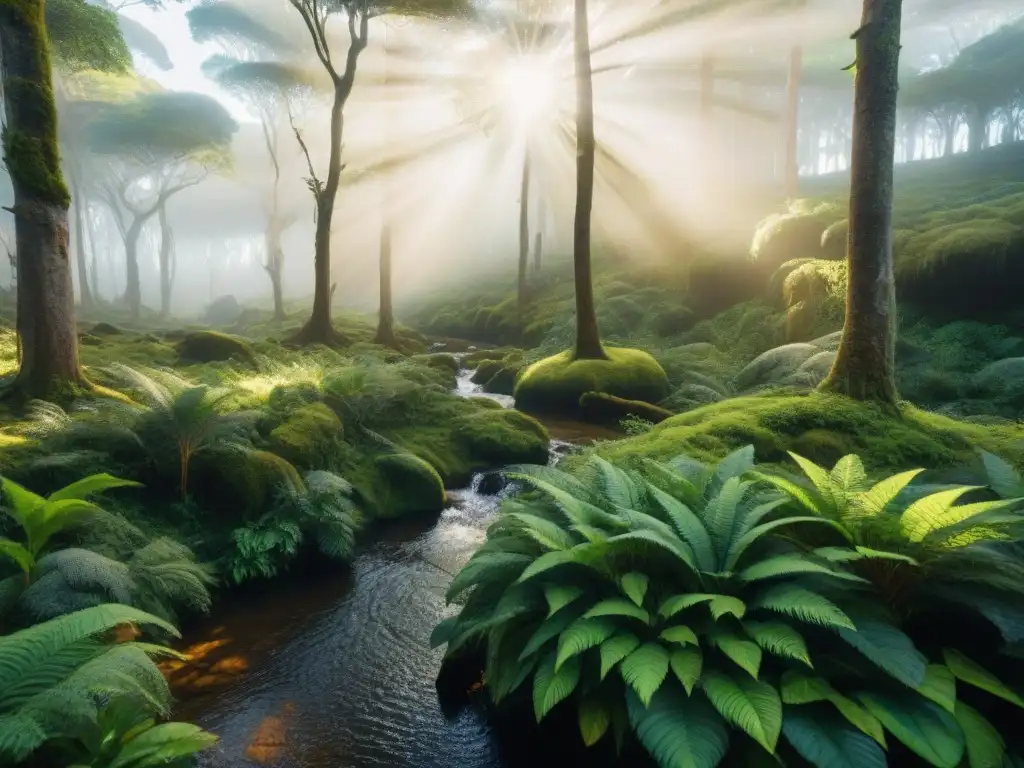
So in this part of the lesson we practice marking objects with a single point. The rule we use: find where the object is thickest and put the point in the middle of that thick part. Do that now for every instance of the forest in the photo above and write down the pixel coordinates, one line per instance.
(507, 383)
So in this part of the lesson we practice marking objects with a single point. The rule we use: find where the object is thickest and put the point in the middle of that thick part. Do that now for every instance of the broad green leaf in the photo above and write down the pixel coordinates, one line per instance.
(745, 654)
(802, 496)
(790, 565)
(678, 731)
(635, 586)
(87, 486)
(618, 607)
(580, 636)
(547, 533)
(974, 674)
(804, 605)
(688, 526)
(486, 567)
(735, 464)
(779, 639)
(1002, 477)
(925, 515)
(882, 493)
(818, 476)
(686, 664)
(21, 502)
(681, 635)
(848, 473)
(940, 686)
(889, 649)
(748, 539)
(581, 554)
(985, 747)
(921, 725)
(162, 745)
(16, 552)
(751, 706)
(677, 603)
(804, 689)
(551, 687)
(559, 596)
(644, 670)
(827, 742)
(548, 629)
(723, 604)
(876, 554)
(443, 631)
(615, 649)
(594, 719)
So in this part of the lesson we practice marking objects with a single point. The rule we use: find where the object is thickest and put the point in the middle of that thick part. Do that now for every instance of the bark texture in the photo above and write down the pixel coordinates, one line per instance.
(45, 300)
(588, 339)
(865, 364)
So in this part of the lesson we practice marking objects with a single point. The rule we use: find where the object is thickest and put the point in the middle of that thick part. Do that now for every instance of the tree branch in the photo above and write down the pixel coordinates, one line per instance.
(315, 185)
(319, 43)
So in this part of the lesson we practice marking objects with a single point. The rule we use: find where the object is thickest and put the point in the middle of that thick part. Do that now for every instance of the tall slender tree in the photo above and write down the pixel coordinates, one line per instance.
(45, 300)
(588, 338)
(865, 364)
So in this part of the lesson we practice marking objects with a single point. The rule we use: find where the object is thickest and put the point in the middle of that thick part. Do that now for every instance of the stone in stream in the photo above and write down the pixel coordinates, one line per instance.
(492, 483)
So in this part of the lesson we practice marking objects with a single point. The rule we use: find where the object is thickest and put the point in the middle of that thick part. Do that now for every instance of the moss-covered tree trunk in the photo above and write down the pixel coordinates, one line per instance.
(386, 316)
(796, 65)
(865, 363)
(588, 339)
(46, 299)
(167, 271)
(522, 290)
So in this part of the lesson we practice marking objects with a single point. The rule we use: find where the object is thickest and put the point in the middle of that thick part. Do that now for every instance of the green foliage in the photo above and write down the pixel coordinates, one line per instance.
(558, 383)
(60, 683)
(85, 36)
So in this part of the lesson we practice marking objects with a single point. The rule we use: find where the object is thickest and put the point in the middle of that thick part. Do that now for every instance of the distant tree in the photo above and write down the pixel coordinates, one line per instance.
(156, 145)
(80, 36)
(865, 363)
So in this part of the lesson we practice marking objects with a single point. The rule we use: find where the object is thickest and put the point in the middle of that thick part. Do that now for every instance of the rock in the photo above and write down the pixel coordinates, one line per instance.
(492, 483)
(308, 437)
(413, 486)
(437, 346)
(211, 346)
(773, 366)
(224, 310)
(105, 329)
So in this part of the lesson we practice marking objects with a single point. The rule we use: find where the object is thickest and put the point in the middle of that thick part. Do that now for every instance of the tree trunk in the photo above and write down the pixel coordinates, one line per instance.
(166, 262)
(84, 292)
(45, 298)
(133, 286)
(386, 318)
(950, 137)
(796, 63)
(538, 252)
(977, 130)
(524, 240)
(588, 339)
(275, 264)
(865, 364)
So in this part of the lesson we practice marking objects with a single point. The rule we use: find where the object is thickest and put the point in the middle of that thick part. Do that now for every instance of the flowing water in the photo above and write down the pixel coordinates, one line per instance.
(336, 671)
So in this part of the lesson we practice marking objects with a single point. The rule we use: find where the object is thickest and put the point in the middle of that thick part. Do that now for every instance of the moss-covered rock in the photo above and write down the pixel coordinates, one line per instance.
(413, 486)
(211, 346)
(822, 427)
(795, 234)
(494, 438)
(105, 329)
(772, 367)
(601, 408)
(485, 371)
(557, 383)
(439, 360)
(308, 436)
(504, 381)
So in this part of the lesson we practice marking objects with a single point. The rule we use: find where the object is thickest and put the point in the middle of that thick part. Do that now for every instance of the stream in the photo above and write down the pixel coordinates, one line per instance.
(335, 670)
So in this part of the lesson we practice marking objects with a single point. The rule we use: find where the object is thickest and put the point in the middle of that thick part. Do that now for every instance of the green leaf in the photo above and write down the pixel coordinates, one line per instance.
(547, 533)
(723, 604)
(1002, 477)
(876, 554)
(644, 670)
(939, 686)
(795, 491)
(881, 494)
(551, 687)
(485, 568)
(745, 654)
(559, 596)
(443, 631)
(818, 476)
(581, 554)
(680, 634)
(678, 731)
(580, 636)
(615, 649)
(921, 725)
(985, 747)
(889, 649)
(779, 639)
(21, 556)
(804, 605)
(790, 565)
(687, 664)
(751, 706)
(548, 629)
(677, 603)
(87, 486)
(635, 586)
(803, 689)
(827, 742)
(848, 473)
(163, 744)
(974, 674)
(618, 607)
(594, 719)
(925, 514)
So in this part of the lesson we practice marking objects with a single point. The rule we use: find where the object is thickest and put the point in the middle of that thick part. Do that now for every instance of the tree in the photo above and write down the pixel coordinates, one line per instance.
(157, 145)
(588, 339)
(46, 314)
(865, 363)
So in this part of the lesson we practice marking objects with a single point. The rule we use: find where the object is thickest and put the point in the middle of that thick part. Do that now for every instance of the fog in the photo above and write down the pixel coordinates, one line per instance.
(442, 114)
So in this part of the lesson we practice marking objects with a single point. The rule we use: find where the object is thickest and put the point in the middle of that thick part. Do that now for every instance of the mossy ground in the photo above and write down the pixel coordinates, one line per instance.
(557, 383)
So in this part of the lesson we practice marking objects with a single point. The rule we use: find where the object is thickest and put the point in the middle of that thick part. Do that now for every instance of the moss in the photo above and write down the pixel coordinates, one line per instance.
(105, 329)
(308, 436)
(485, 371)
(823, 426)
(504, 381)
(211, 346)
(496, 438)
(412, 486)
(795, 234)
(439, 360)
(558, 382)
(600, 408)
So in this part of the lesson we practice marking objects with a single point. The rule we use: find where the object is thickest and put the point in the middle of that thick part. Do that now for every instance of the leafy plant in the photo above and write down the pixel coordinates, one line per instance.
(58, 677)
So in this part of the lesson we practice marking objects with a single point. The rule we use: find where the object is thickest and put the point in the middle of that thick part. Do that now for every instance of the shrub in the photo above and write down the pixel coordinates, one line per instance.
(681, 602)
